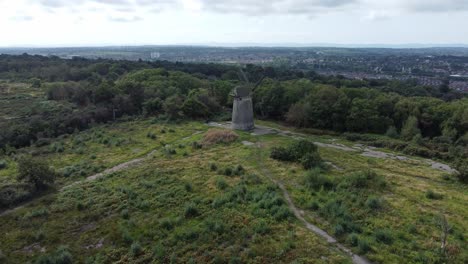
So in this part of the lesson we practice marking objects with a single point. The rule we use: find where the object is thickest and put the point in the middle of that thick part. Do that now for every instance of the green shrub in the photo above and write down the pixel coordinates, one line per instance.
(169, 151)
(353, 240)
(215, 226)
(135, 249)
(196, 145)
(261, 227)
(39, 235)
(213, 167)
(363, 180)
(42, 142)
(282, 213)
(3, 164)
(235, 260)
(167, 223)
(363, 246)
(36, 172)
(190, 211)
(238, 170)
(159, 252)
(384, 236)
(251, 179)
(415, 150)
(373, 203)
(430, 194)
(125, 214)
(188, 187)
(339, 230)
(392, 132)
(313, 205)
(461, 166)
(280, 153)
(143, 205)
(15, 193)
(315, 180)
(40, 212)
(151, 135)
(302, 151)
(126, 237)
(57, 147)
(228, 171)
(311, 160)
(221, 183)
(61, 256)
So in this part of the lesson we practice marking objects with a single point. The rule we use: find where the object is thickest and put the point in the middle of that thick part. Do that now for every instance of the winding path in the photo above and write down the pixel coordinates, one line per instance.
(299, 215)
(96, 176)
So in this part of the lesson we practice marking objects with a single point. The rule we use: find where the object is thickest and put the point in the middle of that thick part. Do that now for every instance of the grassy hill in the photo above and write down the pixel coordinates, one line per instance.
(184, 201)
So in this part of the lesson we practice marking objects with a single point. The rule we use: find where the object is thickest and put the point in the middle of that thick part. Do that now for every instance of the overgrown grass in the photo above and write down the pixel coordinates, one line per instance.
(169, 208)
(183, 207)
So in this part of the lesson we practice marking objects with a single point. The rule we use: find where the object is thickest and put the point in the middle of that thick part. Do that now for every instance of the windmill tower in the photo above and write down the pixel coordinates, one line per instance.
(242, 108)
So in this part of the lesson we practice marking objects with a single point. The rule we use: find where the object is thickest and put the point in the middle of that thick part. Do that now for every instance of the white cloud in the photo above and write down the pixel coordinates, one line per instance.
(203, 21)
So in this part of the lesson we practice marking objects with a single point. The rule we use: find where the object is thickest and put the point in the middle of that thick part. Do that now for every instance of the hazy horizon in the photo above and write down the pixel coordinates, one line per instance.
(255, 45)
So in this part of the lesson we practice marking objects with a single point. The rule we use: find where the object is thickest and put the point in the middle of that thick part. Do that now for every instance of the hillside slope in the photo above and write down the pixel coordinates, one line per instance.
(183, 203)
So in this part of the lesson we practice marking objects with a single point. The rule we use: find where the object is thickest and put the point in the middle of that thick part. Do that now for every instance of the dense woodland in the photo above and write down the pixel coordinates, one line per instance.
(428, 121)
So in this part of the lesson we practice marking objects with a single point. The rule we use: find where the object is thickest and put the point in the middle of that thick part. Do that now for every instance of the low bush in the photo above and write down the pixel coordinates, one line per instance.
(311, 160)
(125, 214)
(159, 252)
(392, 132)
(61, 256)
(35, 172)
(221, 184)
(190, 211)
(415, 150)
(57, 147)
(213, 167)
(261, 227)
(384, 236)
(167, 223)
(461, 166)
(228, 171)
(353, 240)
(251, 179)
(430, 194)
(302, 151)
(215, 226)
(196, 145)
(315, 180)
(151, 135)
(363, 246)
(135, 249)
(282, 213)
(363, 180)
(42, 142)
(3, 164)
(239, 170)
(14, 194)
(373, 203)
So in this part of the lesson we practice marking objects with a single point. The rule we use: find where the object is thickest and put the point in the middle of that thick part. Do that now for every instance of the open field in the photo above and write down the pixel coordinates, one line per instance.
(184, 203)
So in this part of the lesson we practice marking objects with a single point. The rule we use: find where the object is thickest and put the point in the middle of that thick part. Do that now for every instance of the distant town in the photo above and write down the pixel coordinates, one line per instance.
(426, 66)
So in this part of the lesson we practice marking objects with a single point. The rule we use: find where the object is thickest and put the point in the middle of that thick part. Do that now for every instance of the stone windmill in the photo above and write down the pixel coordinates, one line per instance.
(242, 108)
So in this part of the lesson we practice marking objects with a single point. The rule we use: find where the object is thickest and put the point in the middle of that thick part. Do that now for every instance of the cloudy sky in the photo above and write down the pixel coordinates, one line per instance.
(136, 22)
